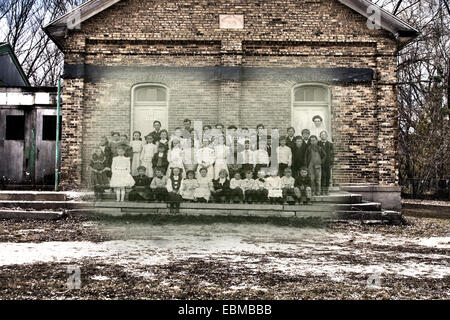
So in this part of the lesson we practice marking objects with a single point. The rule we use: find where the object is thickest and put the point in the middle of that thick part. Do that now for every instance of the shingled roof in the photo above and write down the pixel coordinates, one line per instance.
(57, 29)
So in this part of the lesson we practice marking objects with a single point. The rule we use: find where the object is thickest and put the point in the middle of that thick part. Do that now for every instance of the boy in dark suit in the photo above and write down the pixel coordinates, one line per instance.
(315, 156)
(303, 187)
(298, 156)
(141, 189)
(160, 158)
(291, 138)
(327, 162)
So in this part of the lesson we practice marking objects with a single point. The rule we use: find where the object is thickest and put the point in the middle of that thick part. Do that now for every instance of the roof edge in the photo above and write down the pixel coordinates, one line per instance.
(6, 47)
(57, 29)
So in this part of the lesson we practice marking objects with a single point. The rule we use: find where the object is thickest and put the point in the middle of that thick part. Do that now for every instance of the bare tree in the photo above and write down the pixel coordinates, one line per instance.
(424, 91)
(22, 22)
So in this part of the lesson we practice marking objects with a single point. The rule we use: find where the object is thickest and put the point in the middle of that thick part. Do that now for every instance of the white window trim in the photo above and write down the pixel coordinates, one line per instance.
(156, 104)
(299, 104)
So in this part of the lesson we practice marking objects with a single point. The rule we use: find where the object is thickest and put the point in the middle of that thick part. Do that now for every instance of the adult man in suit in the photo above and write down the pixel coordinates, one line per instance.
(327, 162)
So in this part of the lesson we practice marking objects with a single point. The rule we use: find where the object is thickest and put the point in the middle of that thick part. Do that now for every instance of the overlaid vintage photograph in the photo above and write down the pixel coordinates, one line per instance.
(229, 150)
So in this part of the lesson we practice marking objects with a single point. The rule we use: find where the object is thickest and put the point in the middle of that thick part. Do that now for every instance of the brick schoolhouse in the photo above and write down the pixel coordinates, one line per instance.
(276, 62)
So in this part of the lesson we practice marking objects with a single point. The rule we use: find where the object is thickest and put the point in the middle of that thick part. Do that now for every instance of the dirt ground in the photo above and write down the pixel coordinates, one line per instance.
(134, 260)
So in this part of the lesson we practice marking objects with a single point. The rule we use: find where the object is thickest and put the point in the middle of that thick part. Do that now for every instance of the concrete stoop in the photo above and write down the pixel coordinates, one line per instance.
(338, 206)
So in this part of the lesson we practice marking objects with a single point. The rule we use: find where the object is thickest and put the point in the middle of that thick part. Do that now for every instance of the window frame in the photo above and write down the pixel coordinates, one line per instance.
(135, 103)
(326, 103)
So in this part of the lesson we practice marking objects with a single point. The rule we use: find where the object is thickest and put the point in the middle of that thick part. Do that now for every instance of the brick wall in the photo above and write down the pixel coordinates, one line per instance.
(132, 42)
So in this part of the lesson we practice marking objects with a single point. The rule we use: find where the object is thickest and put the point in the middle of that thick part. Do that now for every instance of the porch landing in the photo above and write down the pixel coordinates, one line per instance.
(339, 205)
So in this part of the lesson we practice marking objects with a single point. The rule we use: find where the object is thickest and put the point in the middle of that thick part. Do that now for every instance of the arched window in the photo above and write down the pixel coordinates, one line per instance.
(310, 101)
(150, 102)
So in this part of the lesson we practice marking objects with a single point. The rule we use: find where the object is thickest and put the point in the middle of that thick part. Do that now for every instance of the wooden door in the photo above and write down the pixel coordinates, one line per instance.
(12, 146)
(45, 146)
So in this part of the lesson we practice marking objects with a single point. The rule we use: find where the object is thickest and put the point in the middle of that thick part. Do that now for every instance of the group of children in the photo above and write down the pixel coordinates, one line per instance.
(219, 168)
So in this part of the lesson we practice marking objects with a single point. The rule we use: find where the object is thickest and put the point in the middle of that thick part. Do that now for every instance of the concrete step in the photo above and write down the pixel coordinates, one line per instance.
(32, 196)
(44, 205)
(63, 205)
(30, 215)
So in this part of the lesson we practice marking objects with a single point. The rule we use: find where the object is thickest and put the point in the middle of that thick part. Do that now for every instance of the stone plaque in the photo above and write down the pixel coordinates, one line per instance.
(231, 21)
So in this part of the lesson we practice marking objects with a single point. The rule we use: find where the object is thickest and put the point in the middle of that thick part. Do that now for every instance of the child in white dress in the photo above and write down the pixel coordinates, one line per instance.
(148, 151)
(205, 158)
(121, 177)
(188, 186)
(136, 145)
(274, 187)
(205, 186)
(175, 156)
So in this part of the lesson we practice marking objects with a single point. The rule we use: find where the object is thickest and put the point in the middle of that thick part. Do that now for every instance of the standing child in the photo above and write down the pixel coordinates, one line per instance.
(188, 186)
(174, 190)
(125, 144)
(164, 138)
(136, 145)
(249, 187)
(236, 192)
(206, 158)
(303, 187)
(114, 143)
(105, 146)
(121, 177)
(160, 158)
(221, 152)
(273, 186)
(288, 186)
(298, 156)
(175, 156)
(284, 156)
(261, 159)
(159, 185)
(327, 163)
(141, 188)
(314, 157)
(222, 187)
(190, 155)
(99, 170)
(247, 158)
(261, 192)
(148, 152)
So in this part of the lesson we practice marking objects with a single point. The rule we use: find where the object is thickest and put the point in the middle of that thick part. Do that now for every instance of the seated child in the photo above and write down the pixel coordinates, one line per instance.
(188, 186)
(160, 158)
(288, 186)
(174, 189)
(236, 192)
(249, 187)
(205, 186)
(141, 189)
(222, 187)
(273, 186)
(99, 172)
(303, 186)
(261, 193)
(159, 186)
